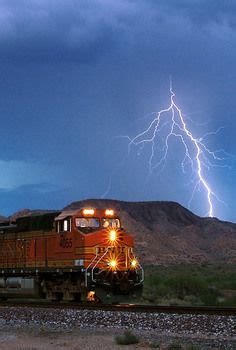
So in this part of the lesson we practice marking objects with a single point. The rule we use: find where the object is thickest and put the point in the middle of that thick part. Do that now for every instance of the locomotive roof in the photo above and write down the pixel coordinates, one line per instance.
(64, 214)
(36, 222)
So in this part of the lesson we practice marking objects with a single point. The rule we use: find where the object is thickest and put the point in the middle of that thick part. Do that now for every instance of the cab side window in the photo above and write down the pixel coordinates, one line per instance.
(64, 225)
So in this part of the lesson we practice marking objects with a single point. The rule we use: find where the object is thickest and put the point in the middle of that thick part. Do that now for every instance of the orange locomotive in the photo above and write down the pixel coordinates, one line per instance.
(80, 254)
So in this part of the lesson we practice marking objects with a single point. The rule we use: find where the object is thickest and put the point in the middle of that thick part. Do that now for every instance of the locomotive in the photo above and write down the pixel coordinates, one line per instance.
(82, 254)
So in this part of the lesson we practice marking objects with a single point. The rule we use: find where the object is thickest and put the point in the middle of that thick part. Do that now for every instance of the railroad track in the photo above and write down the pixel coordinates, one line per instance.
(200, 310)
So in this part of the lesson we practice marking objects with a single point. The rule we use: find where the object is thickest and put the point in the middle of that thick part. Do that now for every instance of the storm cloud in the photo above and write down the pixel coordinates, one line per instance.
(74, 75)
(57, 30)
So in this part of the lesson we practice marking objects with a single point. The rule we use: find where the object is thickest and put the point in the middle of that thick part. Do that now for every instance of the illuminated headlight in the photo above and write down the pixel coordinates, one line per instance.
(88, 211)
(113, 264)
(112, 235)
(109, 212)
(133, 263)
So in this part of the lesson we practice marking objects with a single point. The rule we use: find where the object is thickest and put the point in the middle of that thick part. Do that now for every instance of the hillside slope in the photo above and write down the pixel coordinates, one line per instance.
(167, 233)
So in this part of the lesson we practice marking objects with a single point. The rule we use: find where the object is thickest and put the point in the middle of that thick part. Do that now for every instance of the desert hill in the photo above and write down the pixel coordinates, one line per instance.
(167, 233)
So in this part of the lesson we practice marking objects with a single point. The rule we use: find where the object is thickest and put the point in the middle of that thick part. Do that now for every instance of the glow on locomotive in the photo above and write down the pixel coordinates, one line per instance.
(82, 254)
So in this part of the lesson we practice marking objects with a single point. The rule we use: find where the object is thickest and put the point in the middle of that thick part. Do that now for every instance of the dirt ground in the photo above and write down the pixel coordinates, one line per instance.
(91, 339)
(76, 340)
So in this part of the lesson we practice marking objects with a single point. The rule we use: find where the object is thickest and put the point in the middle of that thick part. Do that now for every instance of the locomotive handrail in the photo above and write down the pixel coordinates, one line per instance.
(141, 268)
(86, 277)
(98, 262)
(93, 261)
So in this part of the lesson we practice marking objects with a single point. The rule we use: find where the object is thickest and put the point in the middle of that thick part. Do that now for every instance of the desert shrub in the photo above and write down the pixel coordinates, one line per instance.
(175, 346)
(192, 347)
(154, 344)
(182, 285)
(189, 284)
(227, 281)
(210, 298)
(230, 302)
(127, 338)
(154, 279)
(162, 290)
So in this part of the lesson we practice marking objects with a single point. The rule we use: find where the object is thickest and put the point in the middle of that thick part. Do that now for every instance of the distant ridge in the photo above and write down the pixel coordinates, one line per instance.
(165, 232)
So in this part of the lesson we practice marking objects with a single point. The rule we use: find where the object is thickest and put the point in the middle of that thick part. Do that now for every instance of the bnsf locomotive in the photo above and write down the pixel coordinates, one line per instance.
(71, 255)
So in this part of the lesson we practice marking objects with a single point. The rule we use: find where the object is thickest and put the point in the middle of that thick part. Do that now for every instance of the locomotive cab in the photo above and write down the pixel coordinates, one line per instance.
(105, 251)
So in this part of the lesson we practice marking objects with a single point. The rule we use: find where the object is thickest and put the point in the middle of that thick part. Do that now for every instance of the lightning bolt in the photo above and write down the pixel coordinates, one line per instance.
(197, 155)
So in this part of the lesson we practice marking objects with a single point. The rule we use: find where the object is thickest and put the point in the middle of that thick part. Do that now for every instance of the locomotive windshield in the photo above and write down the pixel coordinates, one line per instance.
(111, 223)
(87, 224)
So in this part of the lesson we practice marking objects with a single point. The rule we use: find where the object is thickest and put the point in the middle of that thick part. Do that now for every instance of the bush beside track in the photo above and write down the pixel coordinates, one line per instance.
(206, 285)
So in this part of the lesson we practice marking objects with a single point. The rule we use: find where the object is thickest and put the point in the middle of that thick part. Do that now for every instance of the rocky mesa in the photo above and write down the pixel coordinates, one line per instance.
(167, 233)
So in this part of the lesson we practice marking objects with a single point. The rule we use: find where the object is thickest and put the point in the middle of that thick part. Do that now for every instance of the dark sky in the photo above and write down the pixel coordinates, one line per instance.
(74, 75)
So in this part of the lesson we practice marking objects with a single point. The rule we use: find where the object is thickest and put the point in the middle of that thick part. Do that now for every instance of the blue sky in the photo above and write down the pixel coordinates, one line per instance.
(74, 75)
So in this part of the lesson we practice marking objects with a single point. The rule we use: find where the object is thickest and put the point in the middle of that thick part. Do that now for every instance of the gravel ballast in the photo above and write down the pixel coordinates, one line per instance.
(209, 329)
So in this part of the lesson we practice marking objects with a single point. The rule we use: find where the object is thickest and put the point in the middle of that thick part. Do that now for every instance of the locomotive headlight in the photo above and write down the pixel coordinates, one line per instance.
(109, 212)
(112, 235)
(113, 263)
(88, 211)
(133, 263)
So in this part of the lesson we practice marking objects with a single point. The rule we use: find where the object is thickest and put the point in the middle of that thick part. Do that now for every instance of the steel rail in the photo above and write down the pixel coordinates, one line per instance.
(173, 309)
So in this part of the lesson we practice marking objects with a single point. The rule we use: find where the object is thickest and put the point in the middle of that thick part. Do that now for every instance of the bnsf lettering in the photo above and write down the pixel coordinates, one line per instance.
(66, 243)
